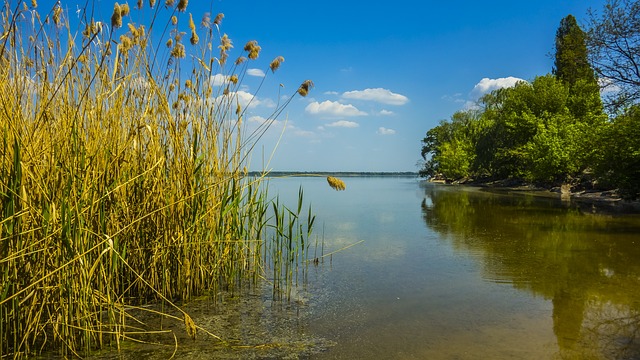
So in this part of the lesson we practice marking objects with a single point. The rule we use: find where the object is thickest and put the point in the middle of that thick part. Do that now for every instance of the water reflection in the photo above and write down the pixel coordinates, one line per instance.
(587, 265)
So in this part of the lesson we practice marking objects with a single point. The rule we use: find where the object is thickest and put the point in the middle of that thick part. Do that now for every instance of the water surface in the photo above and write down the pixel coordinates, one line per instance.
(442, 272)
(459, 273)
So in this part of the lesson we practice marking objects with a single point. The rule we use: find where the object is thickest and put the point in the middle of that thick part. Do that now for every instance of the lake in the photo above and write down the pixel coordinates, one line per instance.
(441, 272)
(450, 272)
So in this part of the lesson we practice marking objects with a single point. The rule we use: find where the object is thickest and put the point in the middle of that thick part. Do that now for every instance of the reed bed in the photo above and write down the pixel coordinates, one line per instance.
(123, 173)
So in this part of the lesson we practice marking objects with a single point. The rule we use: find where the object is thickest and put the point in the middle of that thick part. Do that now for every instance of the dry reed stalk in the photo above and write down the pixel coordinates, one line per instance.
(118, 185)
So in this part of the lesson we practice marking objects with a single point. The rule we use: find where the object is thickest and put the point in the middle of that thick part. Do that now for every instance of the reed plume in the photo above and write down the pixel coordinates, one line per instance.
(304, 88)
(123, 181)
(336, 183)
(275, 64)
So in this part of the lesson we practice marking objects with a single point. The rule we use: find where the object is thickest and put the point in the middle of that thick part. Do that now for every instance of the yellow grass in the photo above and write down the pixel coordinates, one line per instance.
(122, 172)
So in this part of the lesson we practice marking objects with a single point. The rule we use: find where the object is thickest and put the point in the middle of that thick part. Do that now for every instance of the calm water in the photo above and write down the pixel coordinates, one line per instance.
(443, 273)
(456, 273)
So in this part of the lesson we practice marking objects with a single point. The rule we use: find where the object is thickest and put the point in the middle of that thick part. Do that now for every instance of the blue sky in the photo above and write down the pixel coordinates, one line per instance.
(385, 72)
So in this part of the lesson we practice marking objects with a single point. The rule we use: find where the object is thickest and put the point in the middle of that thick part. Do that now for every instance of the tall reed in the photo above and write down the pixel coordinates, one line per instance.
(122, 171)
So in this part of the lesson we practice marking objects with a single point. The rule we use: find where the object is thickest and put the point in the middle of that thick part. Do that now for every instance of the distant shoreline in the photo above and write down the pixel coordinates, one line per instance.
(335, 173)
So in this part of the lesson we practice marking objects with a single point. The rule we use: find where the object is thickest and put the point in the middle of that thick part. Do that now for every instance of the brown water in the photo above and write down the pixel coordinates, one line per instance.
(443, 273)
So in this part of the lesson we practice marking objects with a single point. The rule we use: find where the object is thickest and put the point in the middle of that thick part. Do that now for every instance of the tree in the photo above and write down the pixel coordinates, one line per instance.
(619, 160)
(571, 62)
(614, 49)
(538, 131)
(448, 148)
(572, 67)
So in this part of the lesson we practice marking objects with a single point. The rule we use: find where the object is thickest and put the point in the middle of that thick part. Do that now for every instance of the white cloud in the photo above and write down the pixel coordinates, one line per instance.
(344, 124)
(608, 87)
(278, 126)
(487, 85)
(246, 100)
(331, 93)
(261, 120)
(333, 108)
(385, 131)
(303, 133)
(456, 98)
(385, 112)
(218, 79)
(378, 94)
(255, 72)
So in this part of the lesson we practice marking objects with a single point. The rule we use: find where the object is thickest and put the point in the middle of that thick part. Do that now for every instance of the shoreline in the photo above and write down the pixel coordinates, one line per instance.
(592, 201)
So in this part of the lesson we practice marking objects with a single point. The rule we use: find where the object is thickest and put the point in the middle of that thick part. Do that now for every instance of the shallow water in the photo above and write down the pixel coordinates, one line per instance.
(459, 273)
(443, 273)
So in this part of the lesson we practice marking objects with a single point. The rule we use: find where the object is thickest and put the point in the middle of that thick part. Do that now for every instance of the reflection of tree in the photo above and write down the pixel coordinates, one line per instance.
(541, 245)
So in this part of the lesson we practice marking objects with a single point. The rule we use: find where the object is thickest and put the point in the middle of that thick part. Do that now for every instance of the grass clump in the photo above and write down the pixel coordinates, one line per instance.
(122, 172)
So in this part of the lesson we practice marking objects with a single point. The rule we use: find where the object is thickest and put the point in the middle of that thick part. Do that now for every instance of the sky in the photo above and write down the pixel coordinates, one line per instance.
(385, 72)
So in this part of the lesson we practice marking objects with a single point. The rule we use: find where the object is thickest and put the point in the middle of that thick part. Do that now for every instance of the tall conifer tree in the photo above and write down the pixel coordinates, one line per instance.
(572, 67)
(571, 63)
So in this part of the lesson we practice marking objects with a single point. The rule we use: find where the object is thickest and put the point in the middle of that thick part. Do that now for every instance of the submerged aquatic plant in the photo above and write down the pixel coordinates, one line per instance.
(121, 182)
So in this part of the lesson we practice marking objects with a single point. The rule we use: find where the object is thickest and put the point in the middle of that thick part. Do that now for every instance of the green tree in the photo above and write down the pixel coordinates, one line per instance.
(539, 131)
(449, 147)
(573, 68)
(531, 131)
(619, 158)
(571, 59)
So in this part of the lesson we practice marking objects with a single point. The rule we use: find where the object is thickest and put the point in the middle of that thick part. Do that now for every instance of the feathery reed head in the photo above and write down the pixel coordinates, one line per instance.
(275, 64)
(206, 20)
(57, 12)
(116, 17)
(225, 45)
(161, 130)
(194, 38)
(182, 5)
(218, 19)
(192, 25)
(124, 9)
(336, 183)
(178, 51)
(303, 90)
(253, 49)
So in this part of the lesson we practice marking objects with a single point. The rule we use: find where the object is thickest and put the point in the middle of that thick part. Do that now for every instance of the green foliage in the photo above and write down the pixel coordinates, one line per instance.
(539, 131)
(451, 147)
(571, 60)
(554, 128)
(618, 164)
